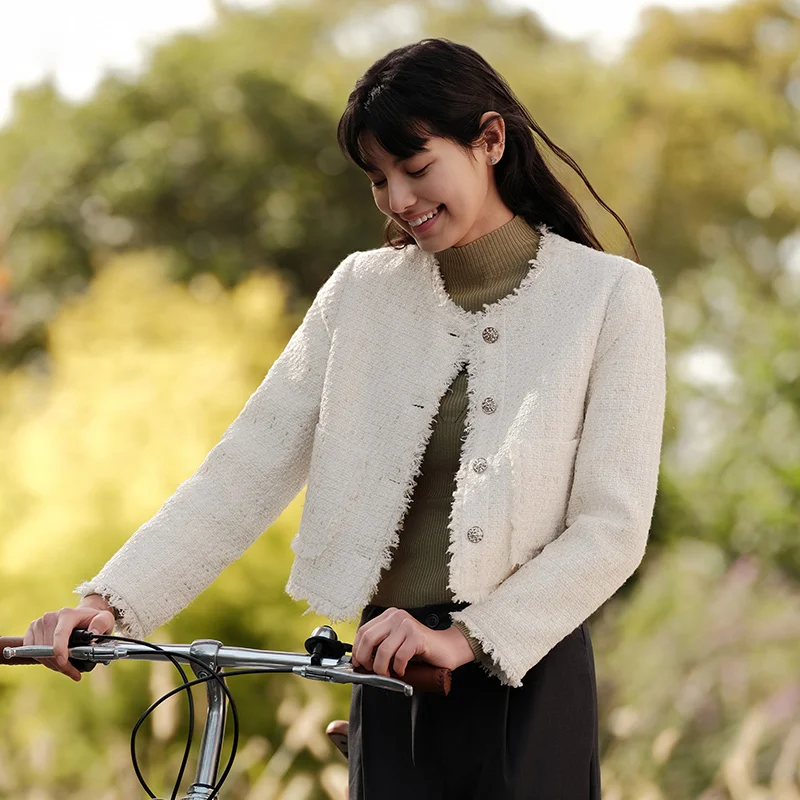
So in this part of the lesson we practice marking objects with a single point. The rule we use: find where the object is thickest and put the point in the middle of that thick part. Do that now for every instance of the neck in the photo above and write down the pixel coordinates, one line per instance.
(492, 254)
(490, 266)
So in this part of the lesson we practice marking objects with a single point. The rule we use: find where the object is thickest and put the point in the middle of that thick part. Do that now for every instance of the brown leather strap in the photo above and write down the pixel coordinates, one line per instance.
(13, 641)
(423, 677)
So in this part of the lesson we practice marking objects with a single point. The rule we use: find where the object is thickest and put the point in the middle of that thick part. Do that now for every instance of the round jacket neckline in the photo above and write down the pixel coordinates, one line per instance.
(538, 263)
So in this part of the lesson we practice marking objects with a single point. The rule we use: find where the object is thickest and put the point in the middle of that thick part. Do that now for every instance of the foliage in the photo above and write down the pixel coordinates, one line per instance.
(698, 680)
(146, 375)
(735, 387)
(228, 171)
(224, 152)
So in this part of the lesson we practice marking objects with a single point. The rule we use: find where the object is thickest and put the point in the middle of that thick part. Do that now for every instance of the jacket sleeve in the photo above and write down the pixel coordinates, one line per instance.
(240, 489)
(612, 499)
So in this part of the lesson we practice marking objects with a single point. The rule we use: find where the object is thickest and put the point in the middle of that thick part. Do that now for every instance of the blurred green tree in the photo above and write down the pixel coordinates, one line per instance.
(146, 375)
(735, 389)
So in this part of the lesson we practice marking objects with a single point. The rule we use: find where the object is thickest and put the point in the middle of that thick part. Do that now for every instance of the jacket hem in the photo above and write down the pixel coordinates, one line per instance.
(495, 664)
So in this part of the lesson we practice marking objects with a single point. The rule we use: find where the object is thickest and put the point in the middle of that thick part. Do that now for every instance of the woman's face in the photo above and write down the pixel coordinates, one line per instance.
(457, 184)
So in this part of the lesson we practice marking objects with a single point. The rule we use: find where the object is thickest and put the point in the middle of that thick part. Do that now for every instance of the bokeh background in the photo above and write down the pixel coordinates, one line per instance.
(161, 238)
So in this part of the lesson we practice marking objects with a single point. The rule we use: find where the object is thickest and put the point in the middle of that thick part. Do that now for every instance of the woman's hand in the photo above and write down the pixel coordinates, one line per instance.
(394, 638)
(54, 628)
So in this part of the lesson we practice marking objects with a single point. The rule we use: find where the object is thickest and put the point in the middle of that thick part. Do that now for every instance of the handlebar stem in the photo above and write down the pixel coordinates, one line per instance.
(207, 651)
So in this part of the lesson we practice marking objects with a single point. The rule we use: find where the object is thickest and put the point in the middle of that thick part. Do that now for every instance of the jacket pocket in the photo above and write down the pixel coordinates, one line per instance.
(338, 466)
(541, 482)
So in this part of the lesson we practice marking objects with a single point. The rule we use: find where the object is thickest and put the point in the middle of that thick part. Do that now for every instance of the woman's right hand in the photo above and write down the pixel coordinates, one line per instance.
(54, 628)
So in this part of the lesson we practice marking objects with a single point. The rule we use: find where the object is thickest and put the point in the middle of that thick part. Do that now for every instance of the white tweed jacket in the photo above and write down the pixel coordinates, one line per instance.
(560, 460)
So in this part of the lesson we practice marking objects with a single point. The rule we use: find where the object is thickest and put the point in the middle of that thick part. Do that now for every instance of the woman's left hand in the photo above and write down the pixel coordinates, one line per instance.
(394, 638)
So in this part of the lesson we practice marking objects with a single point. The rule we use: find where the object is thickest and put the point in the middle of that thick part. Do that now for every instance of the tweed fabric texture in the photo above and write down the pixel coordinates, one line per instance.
(483, 271)
(540, 539)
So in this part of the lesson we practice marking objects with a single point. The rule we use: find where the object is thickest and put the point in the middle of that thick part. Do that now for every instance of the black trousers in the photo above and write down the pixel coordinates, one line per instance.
(483, 741)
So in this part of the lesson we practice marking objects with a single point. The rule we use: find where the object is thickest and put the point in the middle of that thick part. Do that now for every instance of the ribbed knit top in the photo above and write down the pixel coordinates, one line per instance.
(483, 271)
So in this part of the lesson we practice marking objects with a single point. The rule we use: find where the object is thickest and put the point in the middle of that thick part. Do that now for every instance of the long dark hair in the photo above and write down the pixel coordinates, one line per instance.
(436, 87)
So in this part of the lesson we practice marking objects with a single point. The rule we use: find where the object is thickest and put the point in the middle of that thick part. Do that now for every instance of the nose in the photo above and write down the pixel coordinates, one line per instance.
(401, 199)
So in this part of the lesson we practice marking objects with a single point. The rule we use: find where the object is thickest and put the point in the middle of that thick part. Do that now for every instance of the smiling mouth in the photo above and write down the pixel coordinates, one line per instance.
(437, 211)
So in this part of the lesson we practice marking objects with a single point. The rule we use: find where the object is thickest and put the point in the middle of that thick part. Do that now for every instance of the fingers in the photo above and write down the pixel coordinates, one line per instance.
(388, 642)
(53, 629)
(45, 637)
(100, 622)
(368, 636)
(404, 654)
(37, 635)
(67, 622)
(384, 653)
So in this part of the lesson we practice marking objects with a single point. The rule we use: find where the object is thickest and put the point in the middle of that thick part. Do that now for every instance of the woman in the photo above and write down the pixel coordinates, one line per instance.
(476, 408)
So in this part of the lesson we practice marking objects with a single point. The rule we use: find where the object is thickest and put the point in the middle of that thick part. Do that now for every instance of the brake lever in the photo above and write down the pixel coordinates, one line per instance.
(79, 637)
(344, 673)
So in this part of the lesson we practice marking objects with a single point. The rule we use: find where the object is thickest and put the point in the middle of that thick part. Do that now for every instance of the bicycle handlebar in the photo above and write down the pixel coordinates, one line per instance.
(420, 676)
(325, 660)
(11, 643)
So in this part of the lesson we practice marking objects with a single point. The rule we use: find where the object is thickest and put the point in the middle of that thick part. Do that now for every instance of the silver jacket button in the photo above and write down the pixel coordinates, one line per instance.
(490, 335)
(489, 405)
(479, 464)
(475, 534)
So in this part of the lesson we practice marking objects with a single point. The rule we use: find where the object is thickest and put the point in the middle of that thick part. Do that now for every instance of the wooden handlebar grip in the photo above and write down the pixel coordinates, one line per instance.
(13, 641)
(423, 677)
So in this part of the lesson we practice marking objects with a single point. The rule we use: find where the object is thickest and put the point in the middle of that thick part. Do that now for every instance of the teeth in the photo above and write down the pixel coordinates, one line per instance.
(417, 222)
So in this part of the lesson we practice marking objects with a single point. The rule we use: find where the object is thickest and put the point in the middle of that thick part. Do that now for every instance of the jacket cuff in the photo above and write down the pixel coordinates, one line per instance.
(477, 648)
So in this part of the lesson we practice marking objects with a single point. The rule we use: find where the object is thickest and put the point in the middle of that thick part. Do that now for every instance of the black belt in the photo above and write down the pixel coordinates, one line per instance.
(436, 615)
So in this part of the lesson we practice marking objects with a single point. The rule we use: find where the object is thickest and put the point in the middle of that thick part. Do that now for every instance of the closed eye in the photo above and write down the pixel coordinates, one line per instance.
(417, 174)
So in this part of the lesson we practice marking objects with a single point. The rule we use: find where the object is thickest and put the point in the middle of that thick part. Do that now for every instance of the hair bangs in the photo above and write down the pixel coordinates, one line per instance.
(388, 123)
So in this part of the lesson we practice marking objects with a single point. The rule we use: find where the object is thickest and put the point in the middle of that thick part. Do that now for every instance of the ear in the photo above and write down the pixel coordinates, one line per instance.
(494, 136)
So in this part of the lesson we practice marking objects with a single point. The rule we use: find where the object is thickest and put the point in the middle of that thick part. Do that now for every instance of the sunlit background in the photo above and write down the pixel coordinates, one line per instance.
(82, 40)
(171, 198)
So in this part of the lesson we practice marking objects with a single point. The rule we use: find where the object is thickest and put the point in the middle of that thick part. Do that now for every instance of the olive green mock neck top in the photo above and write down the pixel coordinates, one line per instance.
(483, 271)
